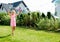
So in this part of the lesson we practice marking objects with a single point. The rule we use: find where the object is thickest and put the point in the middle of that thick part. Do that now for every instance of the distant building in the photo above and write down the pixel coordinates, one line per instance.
(18, 6)
(57, 7)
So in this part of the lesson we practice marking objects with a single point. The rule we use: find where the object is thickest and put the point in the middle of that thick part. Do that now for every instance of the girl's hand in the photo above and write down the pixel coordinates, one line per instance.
(18, 13)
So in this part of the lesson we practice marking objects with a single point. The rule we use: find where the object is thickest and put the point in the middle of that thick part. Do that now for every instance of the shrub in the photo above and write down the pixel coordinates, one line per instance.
(43, 15)
(20, 21)
(4, 19)
(23, 20)
(44, 24)
(33, 19)
(49, 15)
(49, 24)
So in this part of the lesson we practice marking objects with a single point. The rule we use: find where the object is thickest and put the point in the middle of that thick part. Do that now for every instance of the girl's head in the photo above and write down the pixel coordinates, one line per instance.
(13, 12)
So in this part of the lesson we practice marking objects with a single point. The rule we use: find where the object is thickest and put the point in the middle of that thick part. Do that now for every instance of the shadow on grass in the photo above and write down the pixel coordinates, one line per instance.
(5, 36)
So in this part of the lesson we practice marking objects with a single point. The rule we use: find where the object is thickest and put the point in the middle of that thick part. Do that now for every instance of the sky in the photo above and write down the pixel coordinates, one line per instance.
(36, 5)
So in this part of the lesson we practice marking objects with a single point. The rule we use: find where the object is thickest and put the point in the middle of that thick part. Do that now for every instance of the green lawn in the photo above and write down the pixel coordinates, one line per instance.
(22, 34)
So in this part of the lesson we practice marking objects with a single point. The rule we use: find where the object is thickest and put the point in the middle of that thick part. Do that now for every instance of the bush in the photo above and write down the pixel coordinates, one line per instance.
(43, 15)
(49, 24)
(48, 15)
(4, 19)
(33, 19)
(20, 20)
(44, 24)
(23, 20)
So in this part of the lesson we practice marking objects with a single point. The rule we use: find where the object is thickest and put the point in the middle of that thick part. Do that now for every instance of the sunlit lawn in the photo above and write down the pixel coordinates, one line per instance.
(22, 34)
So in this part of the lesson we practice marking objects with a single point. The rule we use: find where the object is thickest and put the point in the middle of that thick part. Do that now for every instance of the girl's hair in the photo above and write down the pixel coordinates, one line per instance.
(13, 11)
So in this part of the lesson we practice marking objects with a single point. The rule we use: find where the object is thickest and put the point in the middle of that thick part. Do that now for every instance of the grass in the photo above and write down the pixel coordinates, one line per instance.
(22, 34)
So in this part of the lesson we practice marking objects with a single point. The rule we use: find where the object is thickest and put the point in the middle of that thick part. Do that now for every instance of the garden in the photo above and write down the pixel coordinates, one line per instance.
(31, 27)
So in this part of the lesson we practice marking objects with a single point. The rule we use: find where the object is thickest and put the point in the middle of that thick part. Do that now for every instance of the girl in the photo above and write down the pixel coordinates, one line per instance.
(13, 20)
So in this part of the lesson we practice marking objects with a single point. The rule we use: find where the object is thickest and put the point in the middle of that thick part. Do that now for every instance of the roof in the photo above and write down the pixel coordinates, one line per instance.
(0, 5)
(56, 1)
(53, 0)
(15, 4)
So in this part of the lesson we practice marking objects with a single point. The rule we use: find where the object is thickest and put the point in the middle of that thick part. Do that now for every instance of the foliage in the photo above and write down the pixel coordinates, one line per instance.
(4, 19)
(33, 19)
(43, 15)
(49, 15)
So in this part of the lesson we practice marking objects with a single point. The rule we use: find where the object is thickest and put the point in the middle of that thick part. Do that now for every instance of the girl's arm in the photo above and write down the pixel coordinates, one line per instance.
(16, 14)
(9, 13)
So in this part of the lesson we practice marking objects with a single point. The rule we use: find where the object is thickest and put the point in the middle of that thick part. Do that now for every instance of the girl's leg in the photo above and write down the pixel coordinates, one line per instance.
(13, 29)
